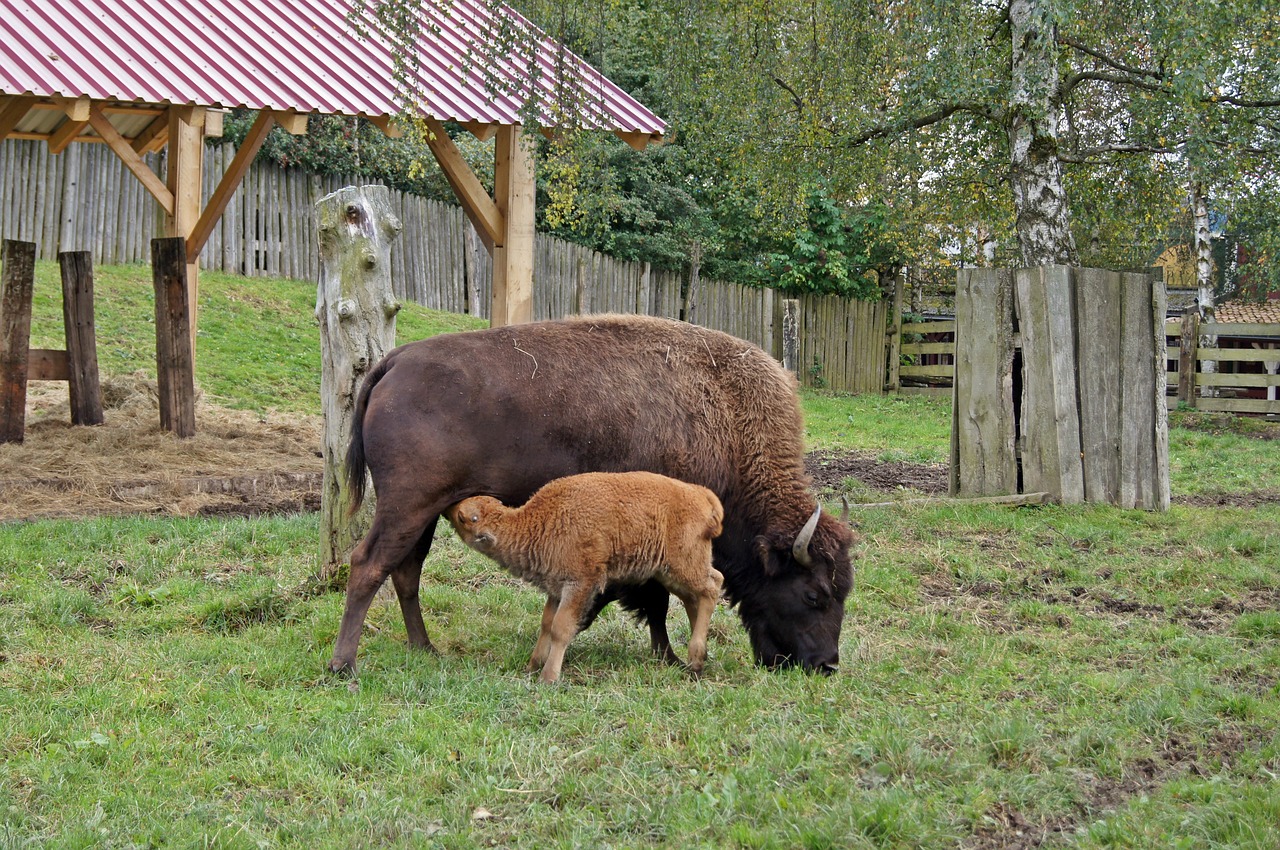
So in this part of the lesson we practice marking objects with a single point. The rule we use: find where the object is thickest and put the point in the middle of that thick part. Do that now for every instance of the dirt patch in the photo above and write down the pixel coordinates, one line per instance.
(239, 462)
(832, 470)
(1006, 828)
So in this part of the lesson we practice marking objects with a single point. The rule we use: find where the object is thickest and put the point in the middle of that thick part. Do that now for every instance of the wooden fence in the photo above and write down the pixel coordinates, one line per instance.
(1246, 358)
(1087, 419)
(269, 228)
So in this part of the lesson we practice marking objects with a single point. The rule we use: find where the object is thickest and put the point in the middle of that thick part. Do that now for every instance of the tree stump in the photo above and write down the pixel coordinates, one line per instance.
(356, 309)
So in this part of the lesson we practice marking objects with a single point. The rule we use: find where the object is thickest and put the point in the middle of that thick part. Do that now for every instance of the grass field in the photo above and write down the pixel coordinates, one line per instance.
(1077, 677)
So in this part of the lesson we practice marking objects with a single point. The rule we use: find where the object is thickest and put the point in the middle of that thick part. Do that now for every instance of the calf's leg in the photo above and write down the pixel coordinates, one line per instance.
(543, 646)
(575, 597)
(700, 604)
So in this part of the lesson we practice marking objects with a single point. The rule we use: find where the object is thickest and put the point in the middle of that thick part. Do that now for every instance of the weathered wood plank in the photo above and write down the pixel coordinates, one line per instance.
(1098, 328)
(1137, 455)
(1050, 421)
(1159, 309)
(1238, 405)
(47, 364)
(82, 346)
(1239, 355)
(983, 436)
(17, 283)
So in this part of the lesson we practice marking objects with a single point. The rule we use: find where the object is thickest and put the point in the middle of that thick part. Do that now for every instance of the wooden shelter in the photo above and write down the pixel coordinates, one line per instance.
(143, 75)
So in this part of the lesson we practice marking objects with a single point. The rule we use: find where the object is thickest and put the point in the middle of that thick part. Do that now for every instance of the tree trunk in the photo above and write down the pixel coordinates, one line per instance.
(1039, 198)
(1204, 277)
(356, 309)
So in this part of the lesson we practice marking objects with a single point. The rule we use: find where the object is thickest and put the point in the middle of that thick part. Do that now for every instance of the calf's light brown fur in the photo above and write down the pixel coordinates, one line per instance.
(578, 533)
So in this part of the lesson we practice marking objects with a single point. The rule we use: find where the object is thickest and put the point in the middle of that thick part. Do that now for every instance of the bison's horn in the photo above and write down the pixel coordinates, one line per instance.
(800, 549)
(844, 512)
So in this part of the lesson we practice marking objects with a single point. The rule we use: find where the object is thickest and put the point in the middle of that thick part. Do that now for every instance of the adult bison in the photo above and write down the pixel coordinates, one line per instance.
(500, 412)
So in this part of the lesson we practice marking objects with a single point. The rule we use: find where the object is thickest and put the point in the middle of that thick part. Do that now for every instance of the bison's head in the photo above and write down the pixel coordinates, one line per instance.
(794, 615)
(468, 518)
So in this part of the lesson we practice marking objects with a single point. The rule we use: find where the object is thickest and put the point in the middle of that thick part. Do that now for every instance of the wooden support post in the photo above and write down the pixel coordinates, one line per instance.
(513, 259)
(791, 335)
(356, 309)
(16, 286)
(175, 372)
(82, 346)
(185, 183)
(1187, 344)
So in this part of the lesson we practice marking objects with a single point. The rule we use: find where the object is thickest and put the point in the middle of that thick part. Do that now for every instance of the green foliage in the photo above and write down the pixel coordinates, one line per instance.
(841, 251)
(345, 146)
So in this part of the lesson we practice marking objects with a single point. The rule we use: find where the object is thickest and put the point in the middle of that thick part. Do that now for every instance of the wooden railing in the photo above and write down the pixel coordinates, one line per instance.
(1246, 358)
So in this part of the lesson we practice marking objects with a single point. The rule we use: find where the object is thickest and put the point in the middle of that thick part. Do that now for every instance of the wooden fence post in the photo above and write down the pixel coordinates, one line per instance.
(790, 334)
(16, 287)
(356, 309)
(893, 358)
(82, 345)
(1187, 344)
(175, 372)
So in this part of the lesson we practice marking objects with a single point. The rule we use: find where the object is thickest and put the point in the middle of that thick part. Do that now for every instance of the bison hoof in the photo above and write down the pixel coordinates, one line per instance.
(342, 668)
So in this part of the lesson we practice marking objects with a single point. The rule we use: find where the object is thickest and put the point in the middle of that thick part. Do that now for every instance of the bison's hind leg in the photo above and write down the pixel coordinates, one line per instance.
(406, 577)
(397, 551)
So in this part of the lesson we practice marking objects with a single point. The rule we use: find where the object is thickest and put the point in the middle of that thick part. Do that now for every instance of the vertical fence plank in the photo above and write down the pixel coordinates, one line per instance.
(1137, 361)
(1050, 420)
(1099, 332)
(983, 461)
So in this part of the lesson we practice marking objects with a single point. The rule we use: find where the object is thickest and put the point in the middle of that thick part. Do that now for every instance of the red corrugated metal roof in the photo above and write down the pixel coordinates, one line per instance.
(297, 54)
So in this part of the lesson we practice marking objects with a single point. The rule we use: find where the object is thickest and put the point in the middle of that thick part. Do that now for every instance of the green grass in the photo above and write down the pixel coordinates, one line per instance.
(258, 344)
(1094, 677)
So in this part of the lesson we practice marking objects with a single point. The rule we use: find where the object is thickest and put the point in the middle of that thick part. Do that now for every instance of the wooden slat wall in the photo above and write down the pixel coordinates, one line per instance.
(269, 229)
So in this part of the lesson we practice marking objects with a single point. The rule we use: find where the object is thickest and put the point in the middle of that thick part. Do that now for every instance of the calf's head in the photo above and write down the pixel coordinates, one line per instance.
(470, 519)
(794, 615)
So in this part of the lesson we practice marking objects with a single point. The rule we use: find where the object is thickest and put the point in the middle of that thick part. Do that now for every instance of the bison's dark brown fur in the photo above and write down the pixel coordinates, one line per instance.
(578, 533)
(500, 412)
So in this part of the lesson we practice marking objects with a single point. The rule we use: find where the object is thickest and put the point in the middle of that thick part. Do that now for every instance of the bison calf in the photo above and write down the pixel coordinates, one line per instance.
(576, 534)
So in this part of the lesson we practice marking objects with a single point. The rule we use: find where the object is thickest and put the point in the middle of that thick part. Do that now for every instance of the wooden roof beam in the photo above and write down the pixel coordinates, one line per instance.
(12, 110)
(490, 224)
(230, 181)
(77, 119)
(154, 137)
(130, 158)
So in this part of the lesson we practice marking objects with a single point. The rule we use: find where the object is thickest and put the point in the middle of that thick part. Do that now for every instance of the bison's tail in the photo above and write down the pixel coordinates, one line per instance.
(355, 449)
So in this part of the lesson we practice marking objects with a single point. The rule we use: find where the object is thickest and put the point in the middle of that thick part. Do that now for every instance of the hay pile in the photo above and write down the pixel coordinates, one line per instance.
(238, 463)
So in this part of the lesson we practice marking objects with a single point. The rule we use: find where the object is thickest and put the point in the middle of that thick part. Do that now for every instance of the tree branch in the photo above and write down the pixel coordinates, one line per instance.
(1107, 60)
(795, 98)
(928, 119)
